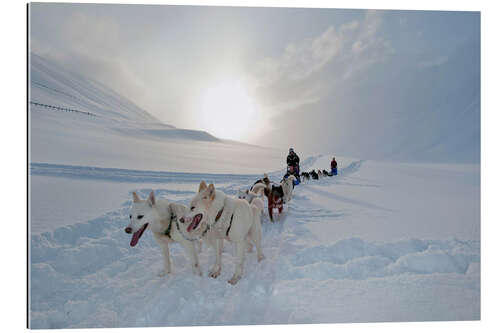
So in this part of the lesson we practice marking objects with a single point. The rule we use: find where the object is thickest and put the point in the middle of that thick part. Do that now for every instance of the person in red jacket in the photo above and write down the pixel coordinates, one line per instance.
(333, 166)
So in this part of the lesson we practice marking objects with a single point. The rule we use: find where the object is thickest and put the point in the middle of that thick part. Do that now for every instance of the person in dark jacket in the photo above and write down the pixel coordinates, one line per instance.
(293, 160)
(333, 166)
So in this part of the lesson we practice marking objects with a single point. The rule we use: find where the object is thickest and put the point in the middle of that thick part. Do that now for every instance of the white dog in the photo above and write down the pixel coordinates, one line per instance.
(223, 217)
(162, 218)
(287, 185)
(254, 198)
(254, 195)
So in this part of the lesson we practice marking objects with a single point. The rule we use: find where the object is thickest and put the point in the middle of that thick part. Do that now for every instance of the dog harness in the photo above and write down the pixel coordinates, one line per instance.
(182, 234)
(230, 224)
(173, 217)
(167, 232)
(217, 218)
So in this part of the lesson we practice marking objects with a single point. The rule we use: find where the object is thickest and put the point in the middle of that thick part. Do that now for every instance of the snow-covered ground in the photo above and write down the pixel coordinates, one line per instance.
(359, 247)
(383, 241)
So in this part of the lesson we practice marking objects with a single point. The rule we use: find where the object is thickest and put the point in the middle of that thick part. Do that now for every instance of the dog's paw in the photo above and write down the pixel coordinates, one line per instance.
(261, 257)
(234, 280)
(214, 273)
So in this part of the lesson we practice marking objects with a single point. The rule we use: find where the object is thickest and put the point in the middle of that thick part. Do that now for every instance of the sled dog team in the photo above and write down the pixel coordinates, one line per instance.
(211, 217)
(317, 174)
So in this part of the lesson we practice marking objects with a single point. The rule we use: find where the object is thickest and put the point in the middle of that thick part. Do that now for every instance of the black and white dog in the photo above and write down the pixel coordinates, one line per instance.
(305, 176)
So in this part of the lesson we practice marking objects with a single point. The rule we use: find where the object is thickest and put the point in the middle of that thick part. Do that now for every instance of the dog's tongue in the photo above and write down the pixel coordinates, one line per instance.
(195, 222)
(137, 235)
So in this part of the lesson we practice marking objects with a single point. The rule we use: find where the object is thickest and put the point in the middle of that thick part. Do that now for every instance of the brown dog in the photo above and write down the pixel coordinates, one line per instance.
(274, 199)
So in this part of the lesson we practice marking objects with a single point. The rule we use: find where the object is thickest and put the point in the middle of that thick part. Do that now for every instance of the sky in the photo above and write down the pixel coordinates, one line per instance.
(366, 83)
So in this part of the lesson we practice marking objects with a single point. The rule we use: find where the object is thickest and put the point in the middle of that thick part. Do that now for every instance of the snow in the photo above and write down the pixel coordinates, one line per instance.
(326, 260)
(382, 241)
(401, 200)
(121, 135)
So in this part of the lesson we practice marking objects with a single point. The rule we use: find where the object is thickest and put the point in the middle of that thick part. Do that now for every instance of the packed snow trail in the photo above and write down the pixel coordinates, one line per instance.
(87, 275)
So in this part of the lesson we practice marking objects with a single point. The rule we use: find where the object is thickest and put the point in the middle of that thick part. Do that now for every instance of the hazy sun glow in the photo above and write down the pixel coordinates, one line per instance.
(227, 110)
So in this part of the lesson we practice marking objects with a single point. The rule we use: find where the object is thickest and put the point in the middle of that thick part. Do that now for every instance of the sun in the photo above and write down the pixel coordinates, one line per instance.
(227, 110)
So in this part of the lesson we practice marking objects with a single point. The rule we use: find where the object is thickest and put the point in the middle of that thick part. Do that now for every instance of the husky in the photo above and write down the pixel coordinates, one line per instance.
(254, 198)
(314, 175)
(163, 219)
(305, 176)
(222, 217)
(254, 195)
(265, 180)
(325, 173)
(287, 185)
(274, 199)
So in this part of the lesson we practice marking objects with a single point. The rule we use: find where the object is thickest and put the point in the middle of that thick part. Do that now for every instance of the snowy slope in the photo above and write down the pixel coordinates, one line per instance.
(121, 135)
(348, 249)
(52, 85)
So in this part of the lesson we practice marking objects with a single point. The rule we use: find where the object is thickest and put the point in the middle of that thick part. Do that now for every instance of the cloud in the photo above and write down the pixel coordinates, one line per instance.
(303, 58)
(307, 69)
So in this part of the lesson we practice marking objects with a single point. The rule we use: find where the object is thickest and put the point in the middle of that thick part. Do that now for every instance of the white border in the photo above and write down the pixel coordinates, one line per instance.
(13, 131)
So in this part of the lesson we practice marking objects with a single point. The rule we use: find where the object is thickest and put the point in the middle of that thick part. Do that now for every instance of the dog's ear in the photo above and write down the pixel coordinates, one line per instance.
(203, 186)
(211, 191)
(151, 198)
(136, 197)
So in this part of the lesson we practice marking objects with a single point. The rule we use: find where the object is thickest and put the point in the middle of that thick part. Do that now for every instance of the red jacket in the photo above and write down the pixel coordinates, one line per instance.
(333, 164)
